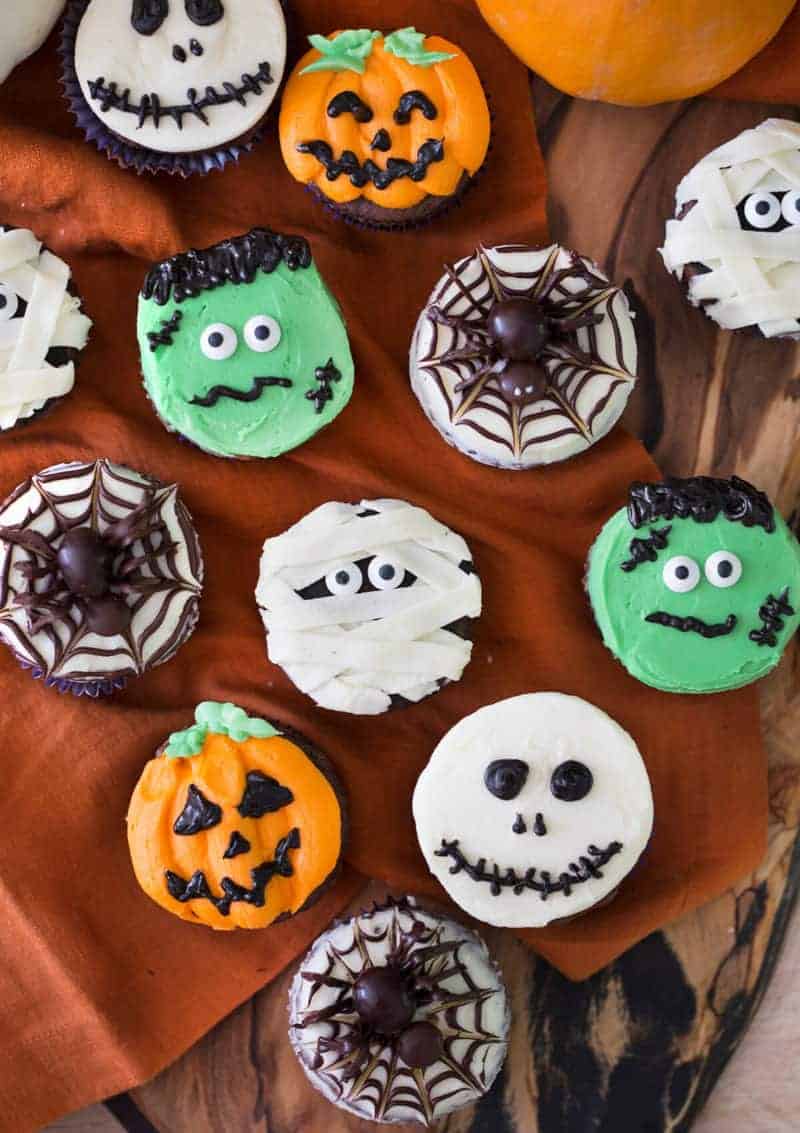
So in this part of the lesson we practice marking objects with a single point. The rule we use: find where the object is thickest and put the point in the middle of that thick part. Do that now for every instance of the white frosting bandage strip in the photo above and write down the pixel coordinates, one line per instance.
(739, 211)
(37, 316)
(366, 603)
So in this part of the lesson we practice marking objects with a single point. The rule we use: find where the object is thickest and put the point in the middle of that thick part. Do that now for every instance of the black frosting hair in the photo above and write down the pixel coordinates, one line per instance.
(236, 260)
(701, 498)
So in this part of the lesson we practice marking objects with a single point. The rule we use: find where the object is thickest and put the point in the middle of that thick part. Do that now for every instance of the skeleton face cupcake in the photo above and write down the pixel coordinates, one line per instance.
(173, 85)
(533, 809)
(524, 356)
(42, 329)
(368, 606)
(244, 350)
(696, 586)
(25, 28)
(100, 575)
(399, 1015)
(735, 239)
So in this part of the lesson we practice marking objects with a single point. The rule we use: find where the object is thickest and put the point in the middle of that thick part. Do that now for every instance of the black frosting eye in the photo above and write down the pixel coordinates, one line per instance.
(204, 12)
(571, 781)
(348, 102)
(414, 100)
(147, 16)
(505, 778)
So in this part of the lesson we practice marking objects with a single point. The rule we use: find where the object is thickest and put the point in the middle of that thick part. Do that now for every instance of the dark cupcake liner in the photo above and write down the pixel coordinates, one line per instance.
(127, 154)
(96, 689)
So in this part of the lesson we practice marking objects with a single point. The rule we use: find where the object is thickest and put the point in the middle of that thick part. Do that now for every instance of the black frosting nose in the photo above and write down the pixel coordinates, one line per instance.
(179, 53)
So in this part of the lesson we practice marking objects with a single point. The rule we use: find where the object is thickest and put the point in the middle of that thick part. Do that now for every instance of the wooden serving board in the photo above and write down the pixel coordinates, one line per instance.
(638, 1048)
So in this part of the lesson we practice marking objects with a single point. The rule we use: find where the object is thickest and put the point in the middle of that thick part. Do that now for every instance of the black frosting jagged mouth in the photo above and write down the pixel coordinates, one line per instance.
(360, 175)
(693, 625)
(588, 865)
(150, 107)
(216, 393)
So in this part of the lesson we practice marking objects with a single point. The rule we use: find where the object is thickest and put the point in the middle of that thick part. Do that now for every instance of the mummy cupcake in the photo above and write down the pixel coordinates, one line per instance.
(523, 356)
(399, 1015)
(368, 606)
(25, 28)
(100, 575)
(244, 349)
(42, 329)
(179, 86)
(533, 809)
(387, 130)
(696, 585)
(237, 822)
(735, 239)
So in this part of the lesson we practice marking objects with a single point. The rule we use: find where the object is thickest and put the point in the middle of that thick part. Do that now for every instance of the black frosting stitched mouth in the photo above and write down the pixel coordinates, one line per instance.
(360, 175)
(693, 625)
(539, 881)
(216, 393)
(150, 107)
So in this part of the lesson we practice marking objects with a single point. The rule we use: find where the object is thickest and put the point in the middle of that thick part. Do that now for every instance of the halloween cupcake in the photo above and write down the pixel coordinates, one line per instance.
(399, 1015)
(368, 606)
(533, 809)
(237, 822)
(180, 87)
(524, 356)
(244, 350)
(388, 130)
(734, 240)
(100, 575)
(42, 329)
(25, 28)
(696, 585)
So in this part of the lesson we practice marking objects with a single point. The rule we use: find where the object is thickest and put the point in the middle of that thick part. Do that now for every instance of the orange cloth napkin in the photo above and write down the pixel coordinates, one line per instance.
(99, 988)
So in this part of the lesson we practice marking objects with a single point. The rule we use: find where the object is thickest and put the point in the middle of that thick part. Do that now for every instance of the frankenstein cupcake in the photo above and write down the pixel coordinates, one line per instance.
(42, 328)
(244, 350)
(399, 1015)
(369, 606)
(524, 356)
(237, 822)
(696, 585)
(533, 809)
(735, 239)
(100, 575)
(388, 130)
(25, 28)
(173, 86)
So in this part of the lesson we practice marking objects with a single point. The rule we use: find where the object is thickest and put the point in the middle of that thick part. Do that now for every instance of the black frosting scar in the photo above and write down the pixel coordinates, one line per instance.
(198, 814)
(324, 377)
(646, 550)
(588, 865)
(168, 330)
(772, 614)
(263, 795)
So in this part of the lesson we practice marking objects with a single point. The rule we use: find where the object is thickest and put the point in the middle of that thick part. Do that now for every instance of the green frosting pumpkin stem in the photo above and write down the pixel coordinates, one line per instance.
(350, 50)
(215, 718)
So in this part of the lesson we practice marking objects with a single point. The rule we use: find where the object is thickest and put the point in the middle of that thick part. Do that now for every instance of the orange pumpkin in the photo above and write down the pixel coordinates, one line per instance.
(391, 121)
(240, 826)
(632, 53)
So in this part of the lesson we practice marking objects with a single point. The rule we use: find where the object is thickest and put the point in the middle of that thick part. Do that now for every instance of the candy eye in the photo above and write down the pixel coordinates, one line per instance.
(723, 568)
(218, 342)
(344, 580)
(790, 207)
(147, 16)
(571, 781)
(762, 210)
(262, 333)
(681, 574)
(384, 575)
(505, 778)
(8, 303)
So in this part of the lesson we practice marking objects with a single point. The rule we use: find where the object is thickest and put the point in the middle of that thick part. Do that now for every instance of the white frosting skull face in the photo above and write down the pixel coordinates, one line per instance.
(26, 25)
(533, 809)
(367, 606)
(735, 241)
(180, 75)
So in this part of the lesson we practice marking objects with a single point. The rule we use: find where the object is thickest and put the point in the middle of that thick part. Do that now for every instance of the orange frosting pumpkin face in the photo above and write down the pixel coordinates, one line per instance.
(234, 824)
(389, 119)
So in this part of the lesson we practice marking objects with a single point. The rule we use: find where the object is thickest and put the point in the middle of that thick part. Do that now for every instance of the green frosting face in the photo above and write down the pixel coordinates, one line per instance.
(696, 606)
(253, 367)
(215, 718)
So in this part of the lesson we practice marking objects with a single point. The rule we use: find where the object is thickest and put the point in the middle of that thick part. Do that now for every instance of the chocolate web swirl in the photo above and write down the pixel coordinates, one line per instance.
(360, 1067)
(574, 300)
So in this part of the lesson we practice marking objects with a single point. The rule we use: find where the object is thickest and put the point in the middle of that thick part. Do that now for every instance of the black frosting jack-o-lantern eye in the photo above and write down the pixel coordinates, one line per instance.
(571, 781)
(348, 102)
(505, 778)
(263, 795)
(147, 16)
(198, 814)
(204, 13)
(414, 100)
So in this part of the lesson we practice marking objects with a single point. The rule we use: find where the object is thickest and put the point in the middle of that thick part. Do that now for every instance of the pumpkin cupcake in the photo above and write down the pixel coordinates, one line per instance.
(399, 1015)
(388, 130)
(237, 822)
